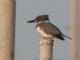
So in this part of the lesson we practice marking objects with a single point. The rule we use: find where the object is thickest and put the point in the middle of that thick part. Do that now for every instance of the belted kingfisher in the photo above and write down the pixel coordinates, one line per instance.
(46, 28)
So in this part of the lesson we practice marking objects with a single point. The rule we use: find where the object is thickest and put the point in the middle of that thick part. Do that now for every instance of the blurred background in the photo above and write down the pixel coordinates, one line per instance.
(27, 38)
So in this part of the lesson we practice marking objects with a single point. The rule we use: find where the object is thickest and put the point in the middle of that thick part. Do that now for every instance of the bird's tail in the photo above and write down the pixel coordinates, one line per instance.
(67, 37)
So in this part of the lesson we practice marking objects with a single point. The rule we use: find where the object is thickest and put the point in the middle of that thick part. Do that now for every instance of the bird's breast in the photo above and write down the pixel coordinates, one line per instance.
(41, 31)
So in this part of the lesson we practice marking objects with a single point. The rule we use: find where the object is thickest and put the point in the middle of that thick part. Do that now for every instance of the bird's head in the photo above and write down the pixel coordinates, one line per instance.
(39, 19)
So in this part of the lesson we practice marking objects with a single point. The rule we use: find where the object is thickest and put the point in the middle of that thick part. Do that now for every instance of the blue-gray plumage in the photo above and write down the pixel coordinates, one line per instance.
(49, 30)
(46, 28)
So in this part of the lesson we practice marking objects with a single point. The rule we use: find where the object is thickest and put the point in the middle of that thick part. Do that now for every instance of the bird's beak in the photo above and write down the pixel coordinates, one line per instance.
(31, 21)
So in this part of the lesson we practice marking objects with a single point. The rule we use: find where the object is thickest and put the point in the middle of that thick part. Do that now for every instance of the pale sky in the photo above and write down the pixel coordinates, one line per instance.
(27, 38)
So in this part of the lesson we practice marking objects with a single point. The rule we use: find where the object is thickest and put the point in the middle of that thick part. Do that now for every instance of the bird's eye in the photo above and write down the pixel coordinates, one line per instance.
(38, 18)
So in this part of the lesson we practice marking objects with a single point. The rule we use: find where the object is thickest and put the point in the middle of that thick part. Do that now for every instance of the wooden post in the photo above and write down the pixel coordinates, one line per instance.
(78, 29)
(46, 49)
(6, 23)
(74, 18)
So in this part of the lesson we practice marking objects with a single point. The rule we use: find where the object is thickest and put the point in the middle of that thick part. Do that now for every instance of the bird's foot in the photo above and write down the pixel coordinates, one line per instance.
(47, 38)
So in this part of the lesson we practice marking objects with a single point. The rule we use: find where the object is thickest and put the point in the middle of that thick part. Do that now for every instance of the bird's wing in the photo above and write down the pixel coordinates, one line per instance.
(56, 31)
(49, 28)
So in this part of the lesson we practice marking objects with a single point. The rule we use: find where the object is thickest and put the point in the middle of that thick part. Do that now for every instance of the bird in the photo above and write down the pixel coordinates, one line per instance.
(46, 28)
